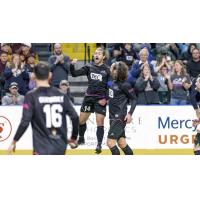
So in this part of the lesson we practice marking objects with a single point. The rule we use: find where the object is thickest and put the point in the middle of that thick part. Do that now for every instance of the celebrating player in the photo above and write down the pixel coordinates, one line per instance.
(95, 97)
(120, 94)
(46, 108)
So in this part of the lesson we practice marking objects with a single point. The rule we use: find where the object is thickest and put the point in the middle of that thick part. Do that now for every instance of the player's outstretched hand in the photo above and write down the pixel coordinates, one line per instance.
(11, 148)
(74, 61)
(128, 118)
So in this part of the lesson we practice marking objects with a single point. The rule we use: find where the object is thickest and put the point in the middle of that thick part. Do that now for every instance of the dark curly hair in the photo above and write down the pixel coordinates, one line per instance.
(122, 71)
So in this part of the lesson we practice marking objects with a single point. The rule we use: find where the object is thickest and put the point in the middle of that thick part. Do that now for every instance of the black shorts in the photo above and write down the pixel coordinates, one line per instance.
(117, 130)
(91, 105)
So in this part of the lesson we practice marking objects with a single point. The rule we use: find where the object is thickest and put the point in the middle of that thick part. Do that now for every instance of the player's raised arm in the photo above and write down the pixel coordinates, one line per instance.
(77, 72)
(26, 118)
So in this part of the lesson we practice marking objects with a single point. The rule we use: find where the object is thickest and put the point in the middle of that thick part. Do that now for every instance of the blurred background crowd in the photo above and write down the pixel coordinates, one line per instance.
(160, 73)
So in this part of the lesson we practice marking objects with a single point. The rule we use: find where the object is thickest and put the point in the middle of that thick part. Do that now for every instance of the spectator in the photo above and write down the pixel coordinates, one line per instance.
(14, 73)
(3, 63)
(163, 61)
(193, 66)
(29, 67)
(169, 49)
(116, 55)
(5, 47)
(135, 72)
(179, 84)
(147, 86)
(129, 55)
(193, 69)
(59, 64)
(26, 49)
(13, 97)
(65, 88)
(163, 90)
(15, 47)
(187, 56)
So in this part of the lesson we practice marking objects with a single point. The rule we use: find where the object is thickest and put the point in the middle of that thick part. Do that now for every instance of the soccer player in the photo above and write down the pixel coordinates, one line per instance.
(120, 94)
(98, 75)
(46, 108)
(195, 100)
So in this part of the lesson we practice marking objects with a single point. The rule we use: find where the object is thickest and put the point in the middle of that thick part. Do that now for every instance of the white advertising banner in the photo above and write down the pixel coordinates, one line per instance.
(153, 127)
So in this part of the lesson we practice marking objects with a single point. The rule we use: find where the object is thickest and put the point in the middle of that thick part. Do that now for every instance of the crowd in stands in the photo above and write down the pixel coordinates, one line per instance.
(160, 73)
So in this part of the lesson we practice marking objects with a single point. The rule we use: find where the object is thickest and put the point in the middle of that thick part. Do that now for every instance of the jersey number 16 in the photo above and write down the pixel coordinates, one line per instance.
(53, 115)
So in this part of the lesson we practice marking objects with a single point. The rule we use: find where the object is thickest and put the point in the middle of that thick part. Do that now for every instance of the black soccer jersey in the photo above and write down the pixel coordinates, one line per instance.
(46, 109)
(98, 77)
(120, 94)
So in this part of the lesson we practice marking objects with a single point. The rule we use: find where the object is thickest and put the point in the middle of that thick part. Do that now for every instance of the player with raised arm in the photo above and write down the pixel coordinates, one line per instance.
(120, 94)
(98, 75)
(46, 108)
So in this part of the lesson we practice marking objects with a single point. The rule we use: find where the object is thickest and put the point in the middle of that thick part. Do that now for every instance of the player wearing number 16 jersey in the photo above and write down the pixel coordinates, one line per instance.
(46, 108)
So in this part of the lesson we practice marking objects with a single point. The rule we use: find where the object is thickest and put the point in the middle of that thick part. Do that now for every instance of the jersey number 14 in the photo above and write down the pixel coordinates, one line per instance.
(53, 115)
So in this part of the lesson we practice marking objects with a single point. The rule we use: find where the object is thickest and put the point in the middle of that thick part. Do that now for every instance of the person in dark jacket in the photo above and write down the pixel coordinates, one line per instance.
(129, 54)
(193, 69)
(3, 63)
(134, 73)
(187, 56)
(147, 87)
(59, 64)
(16, 73)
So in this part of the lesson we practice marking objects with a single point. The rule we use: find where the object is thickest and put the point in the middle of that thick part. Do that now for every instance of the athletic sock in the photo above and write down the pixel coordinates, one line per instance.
(100, 134)
(82, 129)
(127, 150)
(115, 150)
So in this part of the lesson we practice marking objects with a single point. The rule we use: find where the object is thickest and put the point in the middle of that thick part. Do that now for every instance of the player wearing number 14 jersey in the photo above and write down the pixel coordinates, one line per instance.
(98, 75)
(46, 108)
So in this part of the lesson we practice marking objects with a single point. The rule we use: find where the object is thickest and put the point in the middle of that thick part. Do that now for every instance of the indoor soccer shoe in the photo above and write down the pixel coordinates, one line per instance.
(73, 144)
(98, 149)
(81, 140)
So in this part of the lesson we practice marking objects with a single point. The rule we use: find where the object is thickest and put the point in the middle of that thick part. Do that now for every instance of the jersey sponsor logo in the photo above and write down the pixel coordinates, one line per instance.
(53, 99)
(25, 106)
(5, 128)
(111, 93)
(95, 76)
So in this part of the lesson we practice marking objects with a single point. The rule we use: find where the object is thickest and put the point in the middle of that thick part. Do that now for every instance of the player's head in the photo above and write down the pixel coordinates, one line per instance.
(42, 71)
(119, 71)
(99, 55)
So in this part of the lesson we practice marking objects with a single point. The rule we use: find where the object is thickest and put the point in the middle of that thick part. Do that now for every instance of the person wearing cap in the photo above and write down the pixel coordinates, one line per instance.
(29, 67)
(13, 97)
(59, 64)
(65, 88)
